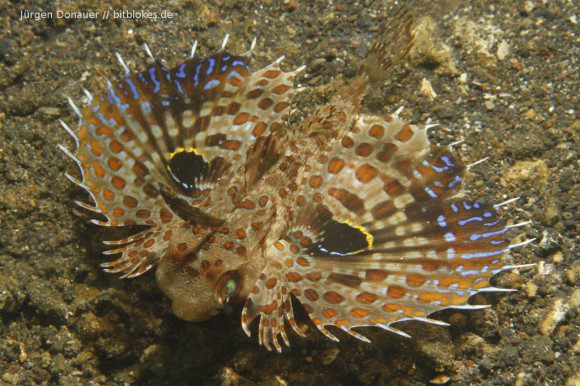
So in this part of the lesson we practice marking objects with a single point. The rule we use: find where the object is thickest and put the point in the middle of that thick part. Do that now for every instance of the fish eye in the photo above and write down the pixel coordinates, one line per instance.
(228, 287)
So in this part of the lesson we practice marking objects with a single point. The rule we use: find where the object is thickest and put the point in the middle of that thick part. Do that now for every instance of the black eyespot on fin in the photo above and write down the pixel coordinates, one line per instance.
(187, 167)
(341, 239)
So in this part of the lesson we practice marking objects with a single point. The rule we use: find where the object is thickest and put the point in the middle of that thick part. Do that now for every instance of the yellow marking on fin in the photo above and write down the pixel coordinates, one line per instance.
(368, 236)
(181, 150)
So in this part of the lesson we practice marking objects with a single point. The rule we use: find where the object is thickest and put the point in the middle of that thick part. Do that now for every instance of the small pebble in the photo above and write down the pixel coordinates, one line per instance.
(52, 111)
(503, 50)
(427, 90)
(489, 105)
(440, 380)
(531, 289)
(291, 5)
(555, 316)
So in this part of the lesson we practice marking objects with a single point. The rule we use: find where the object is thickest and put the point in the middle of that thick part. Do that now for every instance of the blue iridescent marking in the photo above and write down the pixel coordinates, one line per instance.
(438, 184)
(210, 67)
(154, 80)
(117, 100)
(463, 222)
(196, 76)
(140, 75)
(226, 58)
(430, 192)
(487, 214)
(133, 88)
(238, 63)
(178, 86)
(211, 83)
(436, 168)
(497, 242)
(466, 205)
(477, 236)
(449, 237)
(450, 253)
(469, 273)
(441, 221)
(454, 207)
(109, 123)
(181, 73)
(96, 108)
(234, 74)
(456, 181)
(417, 174)
(489, 224)
(146, 107)
(447, 161)
(224, 67)
(482, 254)
(476, 205)
(165, 103)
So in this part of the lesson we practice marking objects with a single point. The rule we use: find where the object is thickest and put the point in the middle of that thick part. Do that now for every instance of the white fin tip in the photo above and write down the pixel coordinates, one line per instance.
(252, 45)
(74, 107)
(471, 307)
(148, 51)
(518, 266)
(122, 63)
(300, 69)
(431, 321)
(396, 114)
(496, 289)
(246, 329)
(114, 251)
(521, 224)
(88, 94)
(506, 202)
(66, 151)
(512, 246)
(396, 331)
(456, 143)
(84, 205)
(355, 334)
(76, 182)
(477, 162)
(193, 48)
(69, 131)
(225, 42)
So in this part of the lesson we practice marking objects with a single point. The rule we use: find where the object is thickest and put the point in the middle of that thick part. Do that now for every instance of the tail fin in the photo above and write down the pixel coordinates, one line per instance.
(390, 46)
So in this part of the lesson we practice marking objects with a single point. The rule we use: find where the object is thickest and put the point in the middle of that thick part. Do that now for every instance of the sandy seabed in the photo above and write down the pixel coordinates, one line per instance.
(500, 75)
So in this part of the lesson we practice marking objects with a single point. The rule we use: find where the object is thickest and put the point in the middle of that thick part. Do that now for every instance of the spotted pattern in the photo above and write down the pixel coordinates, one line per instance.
(356, 217)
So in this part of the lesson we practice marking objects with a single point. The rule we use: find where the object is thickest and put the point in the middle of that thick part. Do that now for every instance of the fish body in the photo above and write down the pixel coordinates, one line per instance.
(358, 218)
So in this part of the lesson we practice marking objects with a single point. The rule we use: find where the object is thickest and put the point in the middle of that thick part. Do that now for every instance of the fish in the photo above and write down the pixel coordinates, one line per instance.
(356, 218)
